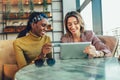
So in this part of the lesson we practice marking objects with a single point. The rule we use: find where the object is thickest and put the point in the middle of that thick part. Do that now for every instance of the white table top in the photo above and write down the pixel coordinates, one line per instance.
(73, 69)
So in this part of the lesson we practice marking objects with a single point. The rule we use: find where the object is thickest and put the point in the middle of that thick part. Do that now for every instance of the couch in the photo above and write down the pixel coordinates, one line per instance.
(8, 66)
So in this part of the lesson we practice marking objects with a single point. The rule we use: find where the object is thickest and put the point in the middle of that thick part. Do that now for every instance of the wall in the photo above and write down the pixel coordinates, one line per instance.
(56, 9)
(59, 8)
(57, 24)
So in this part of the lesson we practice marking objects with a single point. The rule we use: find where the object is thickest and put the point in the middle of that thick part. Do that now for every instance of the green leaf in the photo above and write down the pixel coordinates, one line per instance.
(31, 5)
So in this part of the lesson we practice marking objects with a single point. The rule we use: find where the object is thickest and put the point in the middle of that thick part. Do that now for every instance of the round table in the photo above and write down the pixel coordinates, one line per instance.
(73, 69)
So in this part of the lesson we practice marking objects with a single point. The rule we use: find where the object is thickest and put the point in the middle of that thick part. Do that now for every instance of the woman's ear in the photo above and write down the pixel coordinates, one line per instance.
(32, 25)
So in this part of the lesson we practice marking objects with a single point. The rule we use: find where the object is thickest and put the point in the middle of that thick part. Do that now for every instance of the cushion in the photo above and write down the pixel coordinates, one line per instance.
(7, 54)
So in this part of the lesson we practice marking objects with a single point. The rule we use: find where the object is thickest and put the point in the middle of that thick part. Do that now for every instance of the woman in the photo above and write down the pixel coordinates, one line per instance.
(75, 32)
(35, 44)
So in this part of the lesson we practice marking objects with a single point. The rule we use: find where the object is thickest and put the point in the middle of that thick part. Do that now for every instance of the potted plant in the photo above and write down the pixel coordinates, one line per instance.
(45, 8)
(21, 8)
(31, 6)
(8, 9)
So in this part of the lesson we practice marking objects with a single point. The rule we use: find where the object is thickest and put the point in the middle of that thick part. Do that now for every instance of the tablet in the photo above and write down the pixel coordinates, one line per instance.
(73, 50)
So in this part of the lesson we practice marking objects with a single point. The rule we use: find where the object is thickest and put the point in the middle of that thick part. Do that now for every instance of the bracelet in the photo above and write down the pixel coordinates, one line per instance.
(96, 54)
(42, 55)
(99, 54)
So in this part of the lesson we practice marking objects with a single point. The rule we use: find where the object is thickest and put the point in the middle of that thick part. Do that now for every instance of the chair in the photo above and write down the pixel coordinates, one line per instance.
(111, 41)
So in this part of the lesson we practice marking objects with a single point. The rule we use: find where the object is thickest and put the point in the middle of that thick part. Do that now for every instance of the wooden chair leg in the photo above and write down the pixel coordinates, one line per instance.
(9, 71)
(2, 72)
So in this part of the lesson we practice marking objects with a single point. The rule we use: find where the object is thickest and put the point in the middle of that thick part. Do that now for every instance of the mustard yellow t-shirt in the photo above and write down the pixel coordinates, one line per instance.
(27, 48)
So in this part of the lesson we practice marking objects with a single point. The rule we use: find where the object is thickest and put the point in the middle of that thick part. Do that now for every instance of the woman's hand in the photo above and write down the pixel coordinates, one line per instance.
(47, 48)
(91, 51)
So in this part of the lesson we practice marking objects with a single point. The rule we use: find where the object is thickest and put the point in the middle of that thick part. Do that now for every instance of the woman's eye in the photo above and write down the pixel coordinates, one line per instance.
(69, 24)
(75, 23)
(43, 25)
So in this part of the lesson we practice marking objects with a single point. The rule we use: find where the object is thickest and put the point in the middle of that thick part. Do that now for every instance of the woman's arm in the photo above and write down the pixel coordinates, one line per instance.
(20, 58)
(98, 48)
